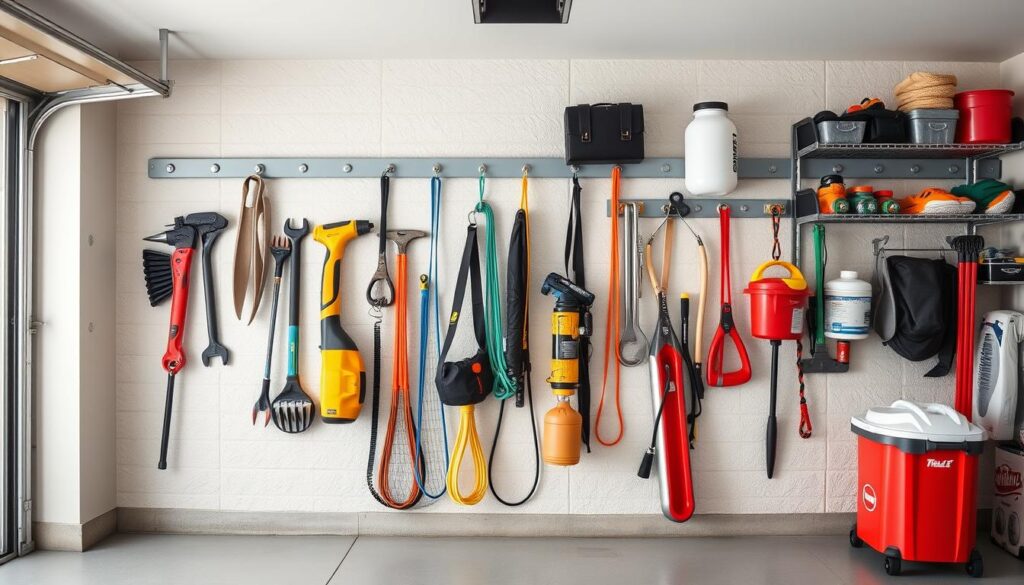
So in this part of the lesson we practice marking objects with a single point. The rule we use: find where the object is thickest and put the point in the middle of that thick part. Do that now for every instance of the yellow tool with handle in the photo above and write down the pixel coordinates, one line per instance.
(342, 375)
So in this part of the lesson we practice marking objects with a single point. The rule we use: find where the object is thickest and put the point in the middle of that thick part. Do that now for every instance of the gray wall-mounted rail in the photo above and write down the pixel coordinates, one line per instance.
(545, 168)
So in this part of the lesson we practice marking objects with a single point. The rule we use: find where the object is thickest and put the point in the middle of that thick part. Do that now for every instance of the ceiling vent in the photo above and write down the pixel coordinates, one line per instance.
(521, 11)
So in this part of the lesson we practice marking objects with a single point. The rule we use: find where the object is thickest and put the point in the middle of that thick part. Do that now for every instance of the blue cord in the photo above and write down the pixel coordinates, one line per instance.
(432, 271)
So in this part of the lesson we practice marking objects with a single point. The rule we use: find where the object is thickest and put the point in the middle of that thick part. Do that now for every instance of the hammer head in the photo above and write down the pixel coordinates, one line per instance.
(181, 236)
(401, 238)
(205, 222)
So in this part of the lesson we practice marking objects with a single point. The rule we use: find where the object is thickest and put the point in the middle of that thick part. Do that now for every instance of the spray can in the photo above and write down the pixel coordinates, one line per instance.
(832, 195)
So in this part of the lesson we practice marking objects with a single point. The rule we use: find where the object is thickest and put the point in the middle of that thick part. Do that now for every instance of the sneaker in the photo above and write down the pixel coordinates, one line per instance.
(989, 195)
(937, 201)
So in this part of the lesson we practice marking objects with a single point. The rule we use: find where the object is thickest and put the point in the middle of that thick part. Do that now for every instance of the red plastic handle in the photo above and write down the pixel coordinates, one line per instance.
(676, 478)
(181, 264)
(716, 356)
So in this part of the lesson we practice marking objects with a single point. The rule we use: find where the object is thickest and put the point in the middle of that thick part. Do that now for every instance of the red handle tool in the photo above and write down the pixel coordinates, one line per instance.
(181, 264)
(726, 326)
(183, 238)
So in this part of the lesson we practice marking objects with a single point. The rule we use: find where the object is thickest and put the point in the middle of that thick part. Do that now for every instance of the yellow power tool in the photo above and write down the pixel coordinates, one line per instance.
(570, 320)
(342, 375)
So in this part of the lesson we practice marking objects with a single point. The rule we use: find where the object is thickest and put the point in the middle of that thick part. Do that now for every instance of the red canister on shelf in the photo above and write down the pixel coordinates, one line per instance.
(777, 304)
(984, 116)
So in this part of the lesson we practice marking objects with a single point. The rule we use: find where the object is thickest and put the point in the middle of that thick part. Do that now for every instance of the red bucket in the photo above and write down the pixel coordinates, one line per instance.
(984, 116)
(777, 305)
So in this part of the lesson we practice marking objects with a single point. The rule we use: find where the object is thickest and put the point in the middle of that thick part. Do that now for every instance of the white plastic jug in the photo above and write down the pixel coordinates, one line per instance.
(847, 307)
(712, 160)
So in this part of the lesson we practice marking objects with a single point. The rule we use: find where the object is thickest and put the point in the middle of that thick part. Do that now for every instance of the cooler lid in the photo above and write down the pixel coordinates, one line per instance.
(936, 423)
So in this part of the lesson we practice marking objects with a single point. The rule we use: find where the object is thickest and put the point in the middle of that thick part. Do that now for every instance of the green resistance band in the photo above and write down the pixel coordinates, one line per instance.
(504, 385)
(819, 284)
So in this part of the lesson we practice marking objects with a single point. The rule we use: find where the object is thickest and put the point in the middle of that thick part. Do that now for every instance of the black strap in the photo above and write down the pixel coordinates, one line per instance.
(576, 272)
(374, 412)
(469, 268)
(385, 194)
(626, 122)
(584, 117)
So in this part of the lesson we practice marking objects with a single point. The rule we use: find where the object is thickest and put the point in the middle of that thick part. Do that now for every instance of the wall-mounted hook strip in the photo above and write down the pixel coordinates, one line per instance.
(551, 168)
(708, 208)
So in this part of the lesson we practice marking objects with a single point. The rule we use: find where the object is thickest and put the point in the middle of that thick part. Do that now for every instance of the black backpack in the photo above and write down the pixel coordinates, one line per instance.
(915, 311)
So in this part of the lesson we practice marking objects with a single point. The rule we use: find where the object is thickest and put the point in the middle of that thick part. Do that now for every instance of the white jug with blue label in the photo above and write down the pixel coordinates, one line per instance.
(847, 307)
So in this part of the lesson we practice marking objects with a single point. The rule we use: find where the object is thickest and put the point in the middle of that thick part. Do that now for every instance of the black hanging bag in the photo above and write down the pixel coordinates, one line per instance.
(466, 381)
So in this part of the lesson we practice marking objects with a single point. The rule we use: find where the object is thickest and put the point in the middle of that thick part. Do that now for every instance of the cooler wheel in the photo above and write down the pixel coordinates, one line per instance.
(975, 567)
(893, 566)
(855, 540)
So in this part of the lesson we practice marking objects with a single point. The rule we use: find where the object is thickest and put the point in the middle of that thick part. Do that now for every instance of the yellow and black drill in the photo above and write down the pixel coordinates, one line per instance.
(570, 320)
(342, 375)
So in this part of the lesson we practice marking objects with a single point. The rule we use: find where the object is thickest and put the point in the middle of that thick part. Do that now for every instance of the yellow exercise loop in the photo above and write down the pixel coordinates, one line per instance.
(467, 436)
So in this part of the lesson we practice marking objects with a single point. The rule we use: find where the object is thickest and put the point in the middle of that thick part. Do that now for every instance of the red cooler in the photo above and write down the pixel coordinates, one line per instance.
(916, 483)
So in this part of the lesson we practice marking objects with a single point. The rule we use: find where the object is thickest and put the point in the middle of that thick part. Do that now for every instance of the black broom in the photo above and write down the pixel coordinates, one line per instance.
(156, 267)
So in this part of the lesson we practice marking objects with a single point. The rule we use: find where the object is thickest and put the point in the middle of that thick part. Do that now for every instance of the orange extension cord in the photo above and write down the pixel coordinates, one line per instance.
(399, 399)
(611, 334)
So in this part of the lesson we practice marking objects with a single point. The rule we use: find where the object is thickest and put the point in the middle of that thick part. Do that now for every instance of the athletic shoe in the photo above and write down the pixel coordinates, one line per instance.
(937, 201)
(989, 195)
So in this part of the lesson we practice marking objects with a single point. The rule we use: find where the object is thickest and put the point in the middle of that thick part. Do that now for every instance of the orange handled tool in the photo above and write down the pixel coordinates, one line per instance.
(400, 421)
(726, 324)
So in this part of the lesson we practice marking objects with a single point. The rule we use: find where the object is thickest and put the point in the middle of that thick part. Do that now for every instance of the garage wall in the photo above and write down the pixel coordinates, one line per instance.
(220, 461)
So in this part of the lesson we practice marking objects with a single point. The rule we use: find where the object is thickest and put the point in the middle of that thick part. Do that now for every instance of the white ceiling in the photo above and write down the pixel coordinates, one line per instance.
(954, 30)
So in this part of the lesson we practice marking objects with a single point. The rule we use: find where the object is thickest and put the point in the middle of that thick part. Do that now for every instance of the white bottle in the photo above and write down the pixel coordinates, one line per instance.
(847, 307)
(712, 160)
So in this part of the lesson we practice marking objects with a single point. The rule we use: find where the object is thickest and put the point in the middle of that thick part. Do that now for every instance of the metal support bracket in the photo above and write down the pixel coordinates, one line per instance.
(707, 208)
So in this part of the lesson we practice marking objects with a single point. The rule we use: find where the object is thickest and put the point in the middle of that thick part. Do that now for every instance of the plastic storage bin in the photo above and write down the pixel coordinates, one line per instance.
(932, 126)
(1000, 270)
(841, 132)
(917, 468)
(984, 116)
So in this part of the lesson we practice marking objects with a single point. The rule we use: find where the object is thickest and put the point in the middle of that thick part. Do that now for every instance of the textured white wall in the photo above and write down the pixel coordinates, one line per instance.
(57, 389)
(75, 290)
(476, 108)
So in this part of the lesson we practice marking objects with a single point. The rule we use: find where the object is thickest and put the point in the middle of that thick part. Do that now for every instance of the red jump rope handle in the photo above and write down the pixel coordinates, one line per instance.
(181, 263)
(716, 353)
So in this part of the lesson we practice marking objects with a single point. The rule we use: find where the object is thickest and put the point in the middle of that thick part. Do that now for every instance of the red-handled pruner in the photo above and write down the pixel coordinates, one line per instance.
(726, 324)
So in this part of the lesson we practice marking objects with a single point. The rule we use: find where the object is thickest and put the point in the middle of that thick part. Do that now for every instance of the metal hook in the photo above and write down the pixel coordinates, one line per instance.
(879, 244)
(390, 170)
(471, 216)
(437, 169)
(482, 169)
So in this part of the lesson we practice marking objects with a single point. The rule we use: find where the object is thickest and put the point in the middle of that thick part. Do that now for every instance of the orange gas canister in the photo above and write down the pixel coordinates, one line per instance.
(777, 304)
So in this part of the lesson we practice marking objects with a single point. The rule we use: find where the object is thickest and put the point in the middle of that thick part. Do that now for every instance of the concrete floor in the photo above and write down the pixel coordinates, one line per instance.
(136, 559)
